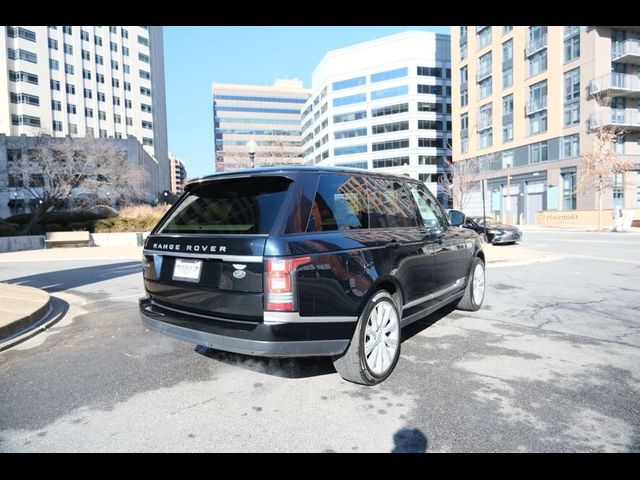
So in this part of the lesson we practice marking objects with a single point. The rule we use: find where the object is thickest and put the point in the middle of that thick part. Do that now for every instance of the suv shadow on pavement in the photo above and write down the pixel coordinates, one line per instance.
(61, 280)
(306, 367)
(280, 367)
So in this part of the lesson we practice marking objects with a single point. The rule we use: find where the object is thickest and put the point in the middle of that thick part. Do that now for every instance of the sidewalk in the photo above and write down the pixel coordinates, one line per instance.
(511, 255)
(20, 309)
(71, 253)
(569, 228)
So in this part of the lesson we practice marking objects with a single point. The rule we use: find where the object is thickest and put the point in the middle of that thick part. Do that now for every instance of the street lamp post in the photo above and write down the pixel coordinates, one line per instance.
(508, 203)
(251, 147)
(484, 211)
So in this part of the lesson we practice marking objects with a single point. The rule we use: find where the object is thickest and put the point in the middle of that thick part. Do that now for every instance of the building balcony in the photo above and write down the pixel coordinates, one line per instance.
(535, 45)
(628, 120)
(626, 52)
(615, 85)
(483, 73)
(535, 105)
(484, 123)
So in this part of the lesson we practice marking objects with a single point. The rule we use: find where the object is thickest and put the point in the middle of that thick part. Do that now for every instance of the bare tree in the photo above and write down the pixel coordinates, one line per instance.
(461, 180)
(599, 166)
(81, 170)
(280, 150)
(276, 149)
(232, 157)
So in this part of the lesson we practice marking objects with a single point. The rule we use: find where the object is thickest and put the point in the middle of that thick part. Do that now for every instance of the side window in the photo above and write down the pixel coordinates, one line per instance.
(340, 203)
(390, 204)
(432, 215)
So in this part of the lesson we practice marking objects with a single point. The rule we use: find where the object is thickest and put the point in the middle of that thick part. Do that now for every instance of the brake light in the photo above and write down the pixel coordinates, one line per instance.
(280, 279)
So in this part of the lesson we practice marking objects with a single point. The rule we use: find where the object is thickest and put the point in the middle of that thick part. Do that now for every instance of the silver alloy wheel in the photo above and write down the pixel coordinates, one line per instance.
(382, 337)
(478, 283)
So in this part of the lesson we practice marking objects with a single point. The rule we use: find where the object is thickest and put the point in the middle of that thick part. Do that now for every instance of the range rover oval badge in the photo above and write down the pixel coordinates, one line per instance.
(239, 274)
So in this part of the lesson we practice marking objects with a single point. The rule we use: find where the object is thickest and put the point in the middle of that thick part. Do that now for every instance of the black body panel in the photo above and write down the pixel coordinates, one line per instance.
(428, 267)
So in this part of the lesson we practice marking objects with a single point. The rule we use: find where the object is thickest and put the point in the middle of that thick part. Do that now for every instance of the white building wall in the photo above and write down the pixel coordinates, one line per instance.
(140, 42)
(410, 49)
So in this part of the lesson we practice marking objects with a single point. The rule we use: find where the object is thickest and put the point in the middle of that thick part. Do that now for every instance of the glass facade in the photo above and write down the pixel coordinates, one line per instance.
(350, 99)
(390, 74)
(390, 92)
(349, 83)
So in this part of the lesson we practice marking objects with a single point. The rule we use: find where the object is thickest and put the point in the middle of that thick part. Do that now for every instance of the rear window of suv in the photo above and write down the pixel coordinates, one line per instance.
(233, 206)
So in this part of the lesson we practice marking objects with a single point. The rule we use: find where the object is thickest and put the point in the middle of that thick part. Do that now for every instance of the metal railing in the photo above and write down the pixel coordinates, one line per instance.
(628, 48)
(535, 44)
(483, 73)
(484, 123)
(535, 105)
(611, 117)
(615, 83)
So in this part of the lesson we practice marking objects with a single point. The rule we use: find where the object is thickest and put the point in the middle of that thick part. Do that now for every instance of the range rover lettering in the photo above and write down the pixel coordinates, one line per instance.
(308, 261)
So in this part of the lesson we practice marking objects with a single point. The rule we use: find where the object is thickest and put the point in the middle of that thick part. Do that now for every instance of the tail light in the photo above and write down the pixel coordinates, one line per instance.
(280, 283)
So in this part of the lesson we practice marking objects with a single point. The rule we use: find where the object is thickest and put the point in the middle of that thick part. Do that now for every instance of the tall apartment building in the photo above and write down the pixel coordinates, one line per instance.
(266, 115)
(178, 174)
(527, 100)
(383, 104)
(101, 81)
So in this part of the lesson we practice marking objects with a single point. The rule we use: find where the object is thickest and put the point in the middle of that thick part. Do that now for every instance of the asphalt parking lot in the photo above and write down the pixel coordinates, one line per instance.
(550, 364)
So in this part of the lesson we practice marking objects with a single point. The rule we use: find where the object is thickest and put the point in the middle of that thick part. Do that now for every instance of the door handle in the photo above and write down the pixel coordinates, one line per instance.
(395, 245)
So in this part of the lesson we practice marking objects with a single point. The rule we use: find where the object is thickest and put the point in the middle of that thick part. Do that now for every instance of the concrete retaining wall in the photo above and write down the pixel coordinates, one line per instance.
(583, 218)
(34, 242)
(26, 242)
(118, 239)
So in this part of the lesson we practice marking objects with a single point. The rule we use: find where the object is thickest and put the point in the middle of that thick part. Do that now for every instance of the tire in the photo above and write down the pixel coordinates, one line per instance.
(474, 293)
(380, 336)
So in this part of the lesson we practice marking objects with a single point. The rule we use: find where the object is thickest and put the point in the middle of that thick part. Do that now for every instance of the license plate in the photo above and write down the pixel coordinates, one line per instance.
(187, 270)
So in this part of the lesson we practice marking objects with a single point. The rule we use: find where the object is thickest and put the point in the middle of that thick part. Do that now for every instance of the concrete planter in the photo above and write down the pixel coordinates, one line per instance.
(25, 242)
(118, 239)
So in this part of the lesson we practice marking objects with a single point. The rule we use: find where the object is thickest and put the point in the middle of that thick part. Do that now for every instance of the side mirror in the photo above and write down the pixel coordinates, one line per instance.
(456, 218)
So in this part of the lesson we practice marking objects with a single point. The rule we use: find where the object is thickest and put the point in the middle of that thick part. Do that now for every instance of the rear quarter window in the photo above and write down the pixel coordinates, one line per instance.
(340, 203)
(390, 204)
(233, 206)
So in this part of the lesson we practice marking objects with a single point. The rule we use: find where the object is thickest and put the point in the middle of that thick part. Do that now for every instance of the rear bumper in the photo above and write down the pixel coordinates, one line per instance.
(259, 339)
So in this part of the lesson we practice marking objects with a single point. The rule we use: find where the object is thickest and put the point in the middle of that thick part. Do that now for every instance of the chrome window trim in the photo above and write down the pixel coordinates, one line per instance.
(215, 256)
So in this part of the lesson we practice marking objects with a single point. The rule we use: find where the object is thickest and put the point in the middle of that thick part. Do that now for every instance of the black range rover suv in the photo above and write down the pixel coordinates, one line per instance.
(307, 261)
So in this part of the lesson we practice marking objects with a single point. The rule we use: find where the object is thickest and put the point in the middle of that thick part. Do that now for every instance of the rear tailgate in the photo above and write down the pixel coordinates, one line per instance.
(205, 256)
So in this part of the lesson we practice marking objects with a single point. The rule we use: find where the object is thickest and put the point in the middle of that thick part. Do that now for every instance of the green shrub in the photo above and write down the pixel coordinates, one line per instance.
(8, 229)
(61, 218)
(77, 226)
(138, 224)
(77, 220)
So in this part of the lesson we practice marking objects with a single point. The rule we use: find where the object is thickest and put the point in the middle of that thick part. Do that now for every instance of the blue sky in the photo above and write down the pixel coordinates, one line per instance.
(197, 56)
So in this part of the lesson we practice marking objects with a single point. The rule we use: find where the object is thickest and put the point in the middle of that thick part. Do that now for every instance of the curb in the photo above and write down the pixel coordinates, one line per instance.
(57, 309)
(21, 325)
